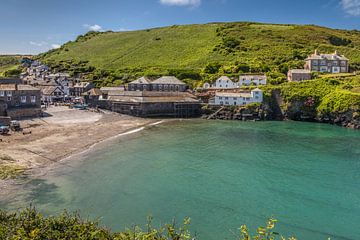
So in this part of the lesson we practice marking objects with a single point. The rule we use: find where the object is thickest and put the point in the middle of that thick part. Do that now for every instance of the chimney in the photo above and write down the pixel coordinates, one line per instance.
(336, 52)
(16, 87)
(316, 52)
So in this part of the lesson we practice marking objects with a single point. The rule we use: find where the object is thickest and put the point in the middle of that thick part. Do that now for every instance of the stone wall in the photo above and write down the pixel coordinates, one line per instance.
(18, 113)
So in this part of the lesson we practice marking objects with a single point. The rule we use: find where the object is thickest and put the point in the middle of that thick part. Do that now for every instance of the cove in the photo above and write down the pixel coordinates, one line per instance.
(221, 174)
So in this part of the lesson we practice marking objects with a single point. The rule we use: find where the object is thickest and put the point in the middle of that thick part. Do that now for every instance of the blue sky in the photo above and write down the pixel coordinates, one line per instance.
(30, 27)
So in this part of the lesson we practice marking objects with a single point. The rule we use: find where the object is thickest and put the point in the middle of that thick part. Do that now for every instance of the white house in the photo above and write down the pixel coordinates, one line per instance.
(51, 94)
(225, 82)
(238, 99)
(247, 80)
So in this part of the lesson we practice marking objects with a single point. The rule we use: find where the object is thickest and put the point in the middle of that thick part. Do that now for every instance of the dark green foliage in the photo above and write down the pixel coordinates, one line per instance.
(337, 41)
(231, 42)
(212, 68)
(29, 224)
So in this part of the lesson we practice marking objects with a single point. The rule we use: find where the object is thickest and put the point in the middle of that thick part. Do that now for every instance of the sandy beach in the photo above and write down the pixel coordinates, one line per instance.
(62, 133)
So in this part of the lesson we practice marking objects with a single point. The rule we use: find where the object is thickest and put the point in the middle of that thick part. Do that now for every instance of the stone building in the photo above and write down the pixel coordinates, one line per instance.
(163, 84)
(141, 84)
(168, 84)
(327, 63)
(10, 81)
(298, 75)
(149, 103)
(79, 88)
(20, 100)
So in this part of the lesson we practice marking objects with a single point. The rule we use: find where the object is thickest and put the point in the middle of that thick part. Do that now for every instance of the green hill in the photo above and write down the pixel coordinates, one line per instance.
(229, 48)
(9, 64)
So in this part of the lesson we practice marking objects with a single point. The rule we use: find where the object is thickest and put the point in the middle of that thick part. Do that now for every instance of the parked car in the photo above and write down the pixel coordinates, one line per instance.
(15, 126)
(4, 130)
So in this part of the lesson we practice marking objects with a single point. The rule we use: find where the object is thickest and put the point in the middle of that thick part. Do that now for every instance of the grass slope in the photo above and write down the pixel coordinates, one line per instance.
(237, 47)
(8, 62)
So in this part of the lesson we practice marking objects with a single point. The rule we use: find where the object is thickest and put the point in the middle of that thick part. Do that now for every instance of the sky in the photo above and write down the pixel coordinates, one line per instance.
(35, 26)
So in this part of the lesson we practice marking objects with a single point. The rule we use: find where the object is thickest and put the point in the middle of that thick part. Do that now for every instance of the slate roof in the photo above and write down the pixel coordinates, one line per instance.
(20, 87)
(93, 92)
(225, 78)
(142, 80)
(168, 80)
(327, 57)
(300, 71)
(50, 89)
(237, 95)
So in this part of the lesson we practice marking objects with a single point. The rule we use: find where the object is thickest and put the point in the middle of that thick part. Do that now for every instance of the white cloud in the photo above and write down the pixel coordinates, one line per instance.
(193, 3)
(55, 46)
(351, 7)
(38, 44)
(96, 28)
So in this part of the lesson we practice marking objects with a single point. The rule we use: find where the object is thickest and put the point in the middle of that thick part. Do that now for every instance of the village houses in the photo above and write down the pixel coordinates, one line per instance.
(225, 82)
(18, 100)
(238, 98)
(298, 75)
(327, 63)
(162, 84)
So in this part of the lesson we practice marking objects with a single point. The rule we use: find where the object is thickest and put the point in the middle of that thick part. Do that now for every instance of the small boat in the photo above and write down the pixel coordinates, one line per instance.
(81, 106)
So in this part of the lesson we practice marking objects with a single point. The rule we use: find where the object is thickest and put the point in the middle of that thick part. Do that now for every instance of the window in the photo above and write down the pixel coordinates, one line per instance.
(234, 103)
(9, 99)
(8, 93)
(23, 99)
(234, 98)
(323, 62)
(226, 98)
(220, 98)
(226, 103)
(2, 93)
(221, 103)
(33, 99)
(315, 63)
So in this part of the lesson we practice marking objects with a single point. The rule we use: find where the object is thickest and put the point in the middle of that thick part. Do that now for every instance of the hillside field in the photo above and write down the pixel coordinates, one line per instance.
(199, 52)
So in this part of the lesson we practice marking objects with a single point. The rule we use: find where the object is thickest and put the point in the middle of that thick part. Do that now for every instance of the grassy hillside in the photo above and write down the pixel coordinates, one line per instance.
(8, 63)
(229, 48)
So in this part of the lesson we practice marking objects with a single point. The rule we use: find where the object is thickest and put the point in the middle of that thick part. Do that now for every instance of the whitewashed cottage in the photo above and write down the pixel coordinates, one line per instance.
(225, 82)
(247, 80)
(238, 99)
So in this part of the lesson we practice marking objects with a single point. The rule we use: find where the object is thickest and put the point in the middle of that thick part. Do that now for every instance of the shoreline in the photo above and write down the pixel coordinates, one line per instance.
(52, 143)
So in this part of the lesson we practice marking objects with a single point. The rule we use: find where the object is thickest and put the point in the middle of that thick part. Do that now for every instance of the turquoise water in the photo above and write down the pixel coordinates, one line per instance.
(221, 174)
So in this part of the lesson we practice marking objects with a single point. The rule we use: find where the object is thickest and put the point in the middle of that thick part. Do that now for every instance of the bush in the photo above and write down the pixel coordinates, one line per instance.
(212, 68)
(337, 41)
(30, 224)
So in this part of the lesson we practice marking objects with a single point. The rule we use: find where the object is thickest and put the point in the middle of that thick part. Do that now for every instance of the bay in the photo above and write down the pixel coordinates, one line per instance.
(222, 174)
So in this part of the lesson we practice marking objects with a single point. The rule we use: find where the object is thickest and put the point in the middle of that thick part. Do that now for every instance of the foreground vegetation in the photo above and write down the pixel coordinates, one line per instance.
(199, 53)
(30, 224)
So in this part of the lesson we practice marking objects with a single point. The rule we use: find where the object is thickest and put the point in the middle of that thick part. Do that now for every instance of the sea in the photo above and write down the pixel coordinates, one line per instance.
(221, 174)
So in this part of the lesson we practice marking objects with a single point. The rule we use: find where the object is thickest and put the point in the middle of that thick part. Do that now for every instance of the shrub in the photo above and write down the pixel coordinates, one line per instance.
(30, 224)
